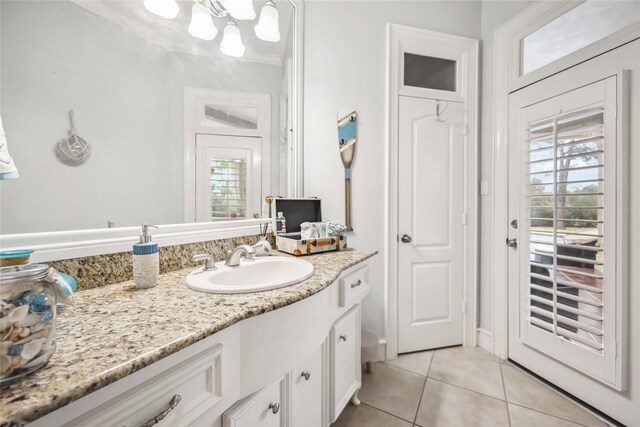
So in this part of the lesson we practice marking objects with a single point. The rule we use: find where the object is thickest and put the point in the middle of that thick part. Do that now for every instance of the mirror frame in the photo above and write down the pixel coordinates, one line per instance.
(58, 245)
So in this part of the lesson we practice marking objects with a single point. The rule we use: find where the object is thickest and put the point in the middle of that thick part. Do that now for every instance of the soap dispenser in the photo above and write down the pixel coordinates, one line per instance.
(146, 260)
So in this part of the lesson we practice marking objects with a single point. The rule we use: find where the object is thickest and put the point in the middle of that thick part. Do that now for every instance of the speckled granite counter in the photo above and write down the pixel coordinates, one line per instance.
(116, 330)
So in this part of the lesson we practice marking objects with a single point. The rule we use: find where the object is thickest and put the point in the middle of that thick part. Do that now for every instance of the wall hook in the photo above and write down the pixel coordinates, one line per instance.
(439, 119)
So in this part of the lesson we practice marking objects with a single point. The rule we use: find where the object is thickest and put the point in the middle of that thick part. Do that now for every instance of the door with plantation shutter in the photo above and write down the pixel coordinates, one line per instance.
(565, 284)
(228, 177)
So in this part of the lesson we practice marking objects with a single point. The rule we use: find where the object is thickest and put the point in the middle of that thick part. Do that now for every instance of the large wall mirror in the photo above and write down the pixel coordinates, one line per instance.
(185, 119)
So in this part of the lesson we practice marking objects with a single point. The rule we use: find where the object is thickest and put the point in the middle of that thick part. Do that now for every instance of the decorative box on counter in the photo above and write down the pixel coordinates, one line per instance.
(297, 211)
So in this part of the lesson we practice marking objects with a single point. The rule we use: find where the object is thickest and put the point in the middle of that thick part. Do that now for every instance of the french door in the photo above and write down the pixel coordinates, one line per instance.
(568, 205)
(430, 221)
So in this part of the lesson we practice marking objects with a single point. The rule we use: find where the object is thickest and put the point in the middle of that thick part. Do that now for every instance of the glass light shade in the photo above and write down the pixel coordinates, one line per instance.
(166, 8)
(240, 9)
(232, 41)
(201, 25)
(267, 27)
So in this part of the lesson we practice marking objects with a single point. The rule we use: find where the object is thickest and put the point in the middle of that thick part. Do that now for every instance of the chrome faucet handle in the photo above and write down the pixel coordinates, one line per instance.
(233, 260)
(209, 265)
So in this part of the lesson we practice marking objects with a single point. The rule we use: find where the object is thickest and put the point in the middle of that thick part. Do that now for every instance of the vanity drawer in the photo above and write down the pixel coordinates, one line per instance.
(265, 408)
(197, 382)
(354, 286)
(345, 361)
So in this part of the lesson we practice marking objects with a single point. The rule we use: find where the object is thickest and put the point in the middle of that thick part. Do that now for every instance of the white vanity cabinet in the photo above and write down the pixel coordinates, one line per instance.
(268, 407)
(345, 375)
(307, 393)
(297, 366)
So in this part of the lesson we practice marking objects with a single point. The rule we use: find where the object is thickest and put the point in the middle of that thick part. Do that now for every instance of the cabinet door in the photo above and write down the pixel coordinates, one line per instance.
(345, 360)
(308, 391)
(265, 408)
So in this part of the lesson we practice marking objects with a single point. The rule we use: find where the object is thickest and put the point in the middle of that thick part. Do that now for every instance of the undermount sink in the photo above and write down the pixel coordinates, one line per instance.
(260, 274)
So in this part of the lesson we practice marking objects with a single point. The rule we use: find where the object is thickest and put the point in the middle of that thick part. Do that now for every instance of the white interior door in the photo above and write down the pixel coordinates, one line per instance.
(228, 177)
(570, 191)
(430, 223)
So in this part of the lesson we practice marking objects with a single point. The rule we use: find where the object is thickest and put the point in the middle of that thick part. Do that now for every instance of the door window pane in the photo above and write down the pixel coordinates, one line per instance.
(228, 186)
(583, 25)
(429, 73)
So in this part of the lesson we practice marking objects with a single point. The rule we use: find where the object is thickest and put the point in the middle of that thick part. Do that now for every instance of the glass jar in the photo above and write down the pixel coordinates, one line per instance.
(27, 319)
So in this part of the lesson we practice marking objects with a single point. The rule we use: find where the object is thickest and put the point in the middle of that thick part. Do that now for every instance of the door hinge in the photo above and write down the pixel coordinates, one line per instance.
(464, 218)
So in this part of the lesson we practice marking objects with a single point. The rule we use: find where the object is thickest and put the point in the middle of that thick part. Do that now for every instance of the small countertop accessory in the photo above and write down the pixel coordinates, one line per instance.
(347, 132)
(11, 258)
(146, 260)
(73, 150)
(29, 295)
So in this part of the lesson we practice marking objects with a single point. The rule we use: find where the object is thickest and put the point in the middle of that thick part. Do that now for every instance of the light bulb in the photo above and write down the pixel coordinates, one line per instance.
(240, 9)
(201, 25)
(166, 8)
(232, 41)
(267, 27)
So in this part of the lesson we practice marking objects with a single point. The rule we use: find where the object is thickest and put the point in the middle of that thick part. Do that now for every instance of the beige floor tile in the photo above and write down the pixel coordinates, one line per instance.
(414, 362)
(392, 390)
(469, 367)
(450, 406)
(524, 390)
(366, 416)
(523, 417)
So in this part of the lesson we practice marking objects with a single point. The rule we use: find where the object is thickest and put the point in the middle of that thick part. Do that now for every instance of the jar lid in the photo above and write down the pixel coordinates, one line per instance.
(23, 272)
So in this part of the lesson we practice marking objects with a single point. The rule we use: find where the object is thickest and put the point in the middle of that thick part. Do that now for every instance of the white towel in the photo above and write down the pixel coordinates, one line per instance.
(8, 169)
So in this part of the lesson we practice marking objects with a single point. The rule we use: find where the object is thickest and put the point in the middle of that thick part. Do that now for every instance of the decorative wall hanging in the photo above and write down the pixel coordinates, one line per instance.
(73, 150)
(347, 130)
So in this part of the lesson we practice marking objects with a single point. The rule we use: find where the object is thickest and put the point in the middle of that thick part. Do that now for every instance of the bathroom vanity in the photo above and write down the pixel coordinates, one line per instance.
(127, 357)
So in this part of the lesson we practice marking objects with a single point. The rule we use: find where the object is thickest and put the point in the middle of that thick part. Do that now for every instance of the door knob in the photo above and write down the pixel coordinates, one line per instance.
(512, 243)
(306, 375)
(275, 407)
(406, 238)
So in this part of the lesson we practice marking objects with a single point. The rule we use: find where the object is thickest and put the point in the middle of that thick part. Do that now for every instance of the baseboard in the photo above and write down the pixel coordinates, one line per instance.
(485, 339)
(373, 349)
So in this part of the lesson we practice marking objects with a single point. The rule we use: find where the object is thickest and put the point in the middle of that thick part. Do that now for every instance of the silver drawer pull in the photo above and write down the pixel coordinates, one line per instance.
(172, 405)
(343, 337)
(306, 375)
(275, 407)
(356, 284)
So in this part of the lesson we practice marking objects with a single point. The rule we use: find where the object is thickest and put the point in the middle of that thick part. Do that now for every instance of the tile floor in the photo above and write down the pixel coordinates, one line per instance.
(458, 387)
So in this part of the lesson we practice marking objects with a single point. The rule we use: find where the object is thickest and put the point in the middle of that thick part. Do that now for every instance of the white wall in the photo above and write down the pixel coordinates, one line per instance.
(345, 51)
(494, 14)
(128, 97)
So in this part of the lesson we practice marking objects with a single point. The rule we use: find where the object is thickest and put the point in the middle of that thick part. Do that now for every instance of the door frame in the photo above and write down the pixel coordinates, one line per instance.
(506, 79)
(465, 52)
(193, 98)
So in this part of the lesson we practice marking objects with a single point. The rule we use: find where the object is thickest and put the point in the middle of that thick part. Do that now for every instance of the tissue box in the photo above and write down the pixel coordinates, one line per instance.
(297, 211)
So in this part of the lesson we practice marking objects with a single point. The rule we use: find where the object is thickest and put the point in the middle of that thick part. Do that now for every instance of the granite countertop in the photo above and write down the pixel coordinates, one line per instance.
(116, 330)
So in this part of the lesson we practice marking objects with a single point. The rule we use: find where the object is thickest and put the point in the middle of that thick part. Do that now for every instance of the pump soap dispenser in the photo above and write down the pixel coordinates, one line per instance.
(146, 260)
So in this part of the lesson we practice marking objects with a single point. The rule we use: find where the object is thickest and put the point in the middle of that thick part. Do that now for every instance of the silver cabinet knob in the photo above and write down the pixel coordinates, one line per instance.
(406, 238)
(343, 337)
(512, 243)
(275, 407)
(306, 375)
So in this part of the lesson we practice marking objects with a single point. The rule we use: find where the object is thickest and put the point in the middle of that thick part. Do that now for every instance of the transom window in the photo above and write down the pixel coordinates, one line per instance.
(581, 26)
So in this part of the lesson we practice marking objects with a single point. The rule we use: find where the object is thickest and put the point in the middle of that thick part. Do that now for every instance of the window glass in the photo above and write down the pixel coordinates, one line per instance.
(429, 72)
(228, 186)
(583, 25)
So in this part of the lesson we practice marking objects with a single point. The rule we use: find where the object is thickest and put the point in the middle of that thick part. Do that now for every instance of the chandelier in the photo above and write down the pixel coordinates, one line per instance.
(203, 12)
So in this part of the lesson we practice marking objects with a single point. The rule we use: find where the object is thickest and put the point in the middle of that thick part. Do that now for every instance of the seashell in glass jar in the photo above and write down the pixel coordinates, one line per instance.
(27, 319)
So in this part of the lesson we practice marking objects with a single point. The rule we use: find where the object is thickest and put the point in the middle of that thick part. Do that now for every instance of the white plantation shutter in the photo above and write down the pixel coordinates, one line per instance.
(568, 231)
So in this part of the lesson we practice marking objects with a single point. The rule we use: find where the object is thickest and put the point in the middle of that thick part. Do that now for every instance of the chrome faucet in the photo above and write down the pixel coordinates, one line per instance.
(233, 260)
(209, 264)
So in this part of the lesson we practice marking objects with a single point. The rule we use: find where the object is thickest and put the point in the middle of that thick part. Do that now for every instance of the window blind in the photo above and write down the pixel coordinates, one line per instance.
(566, 222)
(228, 186)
